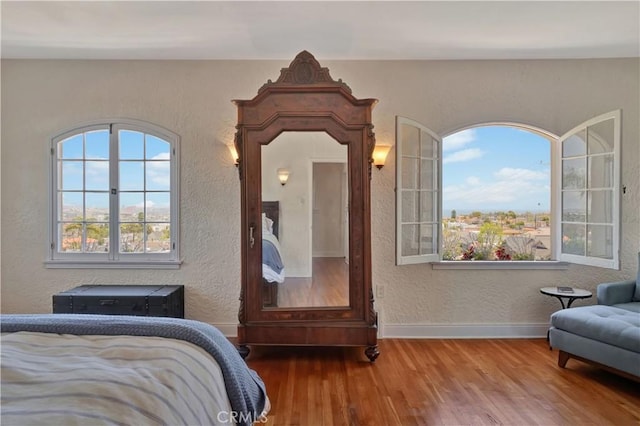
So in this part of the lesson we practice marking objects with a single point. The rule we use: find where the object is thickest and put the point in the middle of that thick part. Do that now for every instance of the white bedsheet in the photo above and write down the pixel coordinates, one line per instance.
(272, 276)
(50, 379)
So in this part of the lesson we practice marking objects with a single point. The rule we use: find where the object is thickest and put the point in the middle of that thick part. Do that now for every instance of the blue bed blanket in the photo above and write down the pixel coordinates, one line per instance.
(271, 256)
(245, 389)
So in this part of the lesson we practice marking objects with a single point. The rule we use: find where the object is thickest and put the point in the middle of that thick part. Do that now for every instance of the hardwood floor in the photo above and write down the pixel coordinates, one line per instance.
(441, 382)
(328, 287)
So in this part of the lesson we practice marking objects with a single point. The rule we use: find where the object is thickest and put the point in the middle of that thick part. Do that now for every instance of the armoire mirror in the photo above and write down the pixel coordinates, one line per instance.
(305, 241)
(313, 221)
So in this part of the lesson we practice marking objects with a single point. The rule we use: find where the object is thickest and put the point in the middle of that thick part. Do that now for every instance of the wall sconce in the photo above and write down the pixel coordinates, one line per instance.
(380, 153)
(234, 154)
(283, 176)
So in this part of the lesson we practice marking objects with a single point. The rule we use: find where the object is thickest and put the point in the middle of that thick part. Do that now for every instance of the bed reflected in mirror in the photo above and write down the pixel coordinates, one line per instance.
(305, 222)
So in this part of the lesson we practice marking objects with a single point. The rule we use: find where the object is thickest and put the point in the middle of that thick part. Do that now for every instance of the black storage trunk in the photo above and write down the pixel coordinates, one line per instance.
(142, 300)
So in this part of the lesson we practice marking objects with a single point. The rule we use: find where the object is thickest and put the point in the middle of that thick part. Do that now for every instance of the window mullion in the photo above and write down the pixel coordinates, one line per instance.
(144, 194)
(174, 218)
(114, 197)
(83, 227)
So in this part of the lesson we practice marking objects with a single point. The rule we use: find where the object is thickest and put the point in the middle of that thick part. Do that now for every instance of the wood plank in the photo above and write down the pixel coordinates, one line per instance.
(441, 382)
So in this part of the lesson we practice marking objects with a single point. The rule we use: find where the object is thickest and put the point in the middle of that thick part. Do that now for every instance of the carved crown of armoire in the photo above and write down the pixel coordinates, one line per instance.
(305, 102)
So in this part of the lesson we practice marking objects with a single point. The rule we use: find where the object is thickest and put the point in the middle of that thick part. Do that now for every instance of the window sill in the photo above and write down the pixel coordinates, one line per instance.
(500, 264)
(78, 264)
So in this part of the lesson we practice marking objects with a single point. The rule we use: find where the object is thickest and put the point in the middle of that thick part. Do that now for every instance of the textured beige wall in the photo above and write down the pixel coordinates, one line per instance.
(192, 98)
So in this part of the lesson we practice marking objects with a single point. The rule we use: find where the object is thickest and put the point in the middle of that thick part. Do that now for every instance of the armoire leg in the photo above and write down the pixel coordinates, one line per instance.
(244, 350)
(372, 352)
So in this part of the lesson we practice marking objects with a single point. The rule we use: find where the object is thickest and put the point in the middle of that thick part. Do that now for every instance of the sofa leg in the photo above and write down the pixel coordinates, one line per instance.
(563, 357)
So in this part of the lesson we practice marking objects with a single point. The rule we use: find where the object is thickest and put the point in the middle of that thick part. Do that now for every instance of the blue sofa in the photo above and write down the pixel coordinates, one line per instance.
(606, 334)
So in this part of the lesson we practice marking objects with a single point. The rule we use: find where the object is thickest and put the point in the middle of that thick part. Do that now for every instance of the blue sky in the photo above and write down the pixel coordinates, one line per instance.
(495, 168)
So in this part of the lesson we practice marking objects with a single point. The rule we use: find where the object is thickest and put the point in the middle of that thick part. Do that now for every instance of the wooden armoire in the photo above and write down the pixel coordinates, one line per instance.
(305, 99)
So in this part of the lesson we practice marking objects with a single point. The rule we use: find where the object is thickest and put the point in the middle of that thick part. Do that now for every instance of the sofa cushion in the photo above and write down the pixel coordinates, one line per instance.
(607, 324)
(616, 292)
(631, 306)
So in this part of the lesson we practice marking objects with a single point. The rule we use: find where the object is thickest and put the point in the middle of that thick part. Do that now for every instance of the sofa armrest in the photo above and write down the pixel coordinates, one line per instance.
(616, 292)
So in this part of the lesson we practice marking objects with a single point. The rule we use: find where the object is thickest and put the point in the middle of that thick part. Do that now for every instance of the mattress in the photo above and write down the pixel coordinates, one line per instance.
(74, 378)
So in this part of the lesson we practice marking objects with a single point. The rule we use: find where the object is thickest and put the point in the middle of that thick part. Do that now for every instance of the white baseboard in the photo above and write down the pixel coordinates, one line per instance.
(465, 331)
(229, 330)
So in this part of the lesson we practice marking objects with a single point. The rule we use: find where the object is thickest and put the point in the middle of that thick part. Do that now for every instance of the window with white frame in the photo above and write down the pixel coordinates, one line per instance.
(114, 196)
(589, 192)
(583, 219)
(419, 189)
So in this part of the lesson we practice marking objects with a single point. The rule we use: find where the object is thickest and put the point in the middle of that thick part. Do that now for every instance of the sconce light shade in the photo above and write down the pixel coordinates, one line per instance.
(234, 153)
(380, 153)
(283, 176)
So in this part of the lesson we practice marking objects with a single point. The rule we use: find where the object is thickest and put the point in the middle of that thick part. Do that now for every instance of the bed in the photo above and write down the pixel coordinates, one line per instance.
(70, 369)
(272, 265)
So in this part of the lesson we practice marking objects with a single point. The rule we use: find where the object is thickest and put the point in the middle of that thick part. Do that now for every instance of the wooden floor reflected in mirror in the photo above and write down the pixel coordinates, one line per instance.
(329, 286)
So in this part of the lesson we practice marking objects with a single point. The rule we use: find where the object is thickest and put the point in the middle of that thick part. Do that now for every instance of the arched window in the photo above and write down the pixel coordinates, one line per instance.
(508, 192)
(496, 201)
(114, 196)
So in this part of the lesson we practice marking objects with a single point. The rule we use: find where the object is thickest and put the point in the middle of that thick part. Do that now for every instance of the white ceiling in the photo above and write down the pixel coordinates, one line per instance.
(328, 29)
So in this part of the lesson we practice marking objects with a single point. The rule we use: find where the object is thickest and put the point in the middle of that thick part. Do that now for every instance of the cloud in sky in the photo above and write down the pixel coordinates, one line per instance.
(456, 146)
(493, 193)
(96, 175)
(510, 186)
(159, 172)
(458, 140)
(473, 180)
(511, 174)
(161, 156)
(463, 155)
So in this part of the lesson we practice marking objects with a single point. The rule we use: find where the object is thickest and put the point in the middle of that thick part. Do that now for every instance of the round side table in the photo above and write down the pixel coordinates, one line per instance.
(576, 294)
